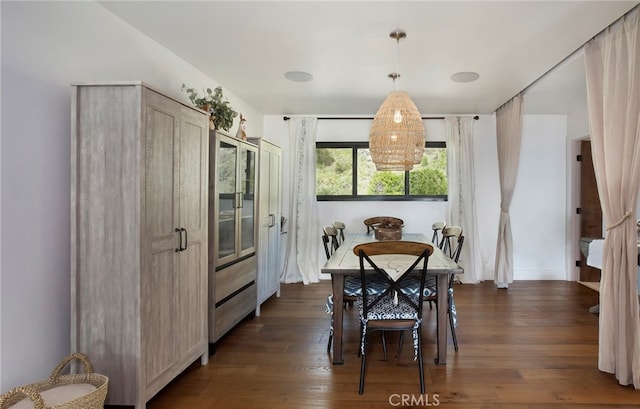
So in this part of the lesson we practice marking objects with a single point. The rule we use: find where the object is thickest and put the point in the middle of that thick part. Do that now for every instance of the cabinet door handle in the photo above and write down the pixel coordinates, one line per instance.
(273, 220)
(177, 230)
(186, 239)
(240, 200)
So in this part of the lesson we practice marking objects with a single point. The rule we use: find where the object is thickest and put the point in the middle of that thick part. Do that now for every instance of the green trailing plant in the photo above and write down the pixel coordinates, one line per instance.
(214, 102)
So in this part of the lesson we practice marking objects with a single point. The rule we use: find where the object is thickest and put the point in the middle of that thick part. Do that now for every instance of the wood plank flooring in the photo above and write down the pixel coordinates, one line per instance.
(532, 346)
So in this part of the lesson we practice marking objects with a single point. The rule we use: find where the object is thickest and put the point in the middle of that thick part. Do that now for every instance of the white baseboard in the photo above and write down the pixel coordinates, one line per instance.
(532, 275)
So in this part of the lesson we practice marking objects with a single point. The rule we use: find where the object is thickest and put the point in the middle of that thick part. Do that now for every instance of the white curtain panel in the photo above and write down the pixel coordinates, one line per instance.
(304, 237)
(509, 136)
(612, 63)
(462, 211)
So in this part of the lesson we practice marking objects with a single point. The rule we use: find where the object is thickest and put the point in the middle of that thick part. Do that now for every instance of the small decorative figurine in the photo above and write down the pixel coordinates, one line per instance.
(242, 134)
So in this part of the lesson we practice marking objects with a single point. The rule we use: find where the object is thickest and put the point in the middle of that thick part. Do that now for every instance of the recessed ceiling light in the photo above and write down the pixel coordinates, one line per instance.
(465, 76)
(298, 76)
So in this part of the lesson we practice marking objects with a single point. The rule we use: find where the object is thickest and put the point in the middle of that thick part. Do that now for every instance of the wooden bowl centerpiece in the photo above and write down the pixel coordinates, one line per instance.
(388, 231)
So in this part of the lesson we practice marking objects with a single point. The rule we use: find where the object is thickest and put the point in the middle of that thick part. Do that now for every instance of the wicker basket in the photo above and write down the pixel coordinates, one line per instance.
(76, 391)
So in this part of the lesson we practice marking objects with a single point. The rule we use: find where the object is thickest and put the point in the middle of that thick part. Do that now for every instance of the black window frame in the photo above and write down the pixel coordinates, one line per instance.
(369, 198)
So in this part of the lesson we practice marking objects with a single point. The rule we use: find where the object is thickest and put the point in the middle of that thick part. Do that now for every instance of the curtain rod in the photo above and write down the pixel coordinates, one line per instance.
(286, 118)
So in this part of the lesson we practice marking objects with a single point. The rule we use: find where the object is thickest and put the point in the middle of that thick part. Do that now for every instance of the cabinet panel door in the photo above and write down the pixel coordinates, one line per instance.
(274, 229)
(192, 293)
(160, 156)
(192, 273)
(264, 222)
(193, 175)
(158, 323)
(158, 319)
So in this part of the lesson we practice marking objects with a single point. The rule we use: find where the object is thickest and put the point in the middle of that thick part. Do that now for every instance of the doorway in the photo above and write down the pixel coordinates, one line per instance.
(590, 211)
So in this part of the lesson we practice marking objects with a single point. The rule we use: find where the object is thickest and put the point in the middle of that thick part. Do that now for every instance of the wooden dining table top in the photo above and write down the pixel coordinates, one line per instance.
(345, 261)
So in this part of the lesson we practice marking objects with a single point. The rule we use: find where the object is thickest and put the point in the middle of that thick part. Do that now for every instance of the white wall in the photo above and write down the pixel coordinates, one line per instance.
(578, 123)
(45, 47)
(538, 209)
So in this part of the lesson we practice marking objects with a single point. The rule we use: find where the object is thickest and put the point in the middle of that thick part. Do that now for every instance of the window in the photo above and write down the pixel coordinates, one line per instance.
(344, 171)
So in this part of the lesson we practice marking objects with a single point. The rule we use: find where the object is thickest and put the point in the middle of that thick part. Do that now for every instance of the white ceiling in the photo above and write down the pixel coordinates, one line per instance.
(248, 46)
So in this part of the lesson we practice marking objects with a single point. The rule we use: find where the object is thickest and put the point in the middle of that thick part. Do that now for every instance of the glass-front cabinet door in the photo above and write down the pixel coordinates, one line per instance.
(235, 195)
(248, 192)
(227, 163)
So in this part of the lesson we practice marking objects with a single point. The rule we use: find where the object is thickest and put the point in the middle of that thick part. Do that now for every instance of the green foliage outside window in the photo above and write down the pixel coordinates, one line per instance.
(430, 178)
(387, 183)
(335, 170)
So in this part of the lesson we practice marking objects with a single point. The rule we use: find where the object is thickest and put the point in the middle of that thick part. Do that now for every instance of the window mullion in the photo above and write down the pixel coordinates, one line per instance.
(406, 183)
(354, 171)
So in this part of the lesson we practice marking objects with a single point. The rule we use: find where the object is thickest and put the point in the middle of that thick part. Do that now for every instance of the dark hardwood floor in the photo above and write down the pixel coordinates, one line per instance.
(534, 345)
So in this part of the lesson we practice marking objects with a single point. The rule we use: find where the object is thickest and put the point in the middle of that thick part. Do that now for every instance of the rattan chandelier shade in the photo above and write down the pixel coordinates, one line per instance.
(396, 137)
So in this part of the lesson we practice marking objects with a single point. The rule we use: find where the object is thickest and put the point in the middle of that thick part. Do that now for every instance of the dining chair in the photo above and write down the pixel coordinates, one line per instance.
(452, 241)
(340, 226)
(351, 283)
(394, 309)
(330, 240)
(437, 232)
(373, 222)
(352, 287)
(331, 244)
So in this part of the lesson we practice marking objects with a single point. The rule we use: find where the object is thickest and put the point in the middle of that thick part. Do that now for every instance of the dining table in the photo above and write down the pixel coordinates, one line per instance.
(345, 262)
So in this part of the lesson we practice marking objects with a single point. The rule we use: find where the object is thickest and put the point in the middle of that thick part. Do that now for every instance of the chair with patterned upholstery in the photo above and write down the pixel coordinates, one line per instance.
(394, 309)
(331, 243)
(452, 241)
(352, 287)
(351, 283)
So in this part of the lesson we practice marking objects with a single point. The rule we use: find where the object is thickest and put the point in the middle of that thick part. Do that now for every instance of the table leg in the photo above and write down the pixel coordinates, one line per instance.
(337, 282)
(442, 284)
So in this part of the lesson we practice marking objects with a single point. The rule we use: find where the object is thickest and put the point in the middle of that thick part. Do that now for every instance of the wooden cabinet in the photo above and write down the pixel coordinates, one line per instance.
(269, 212)
(139, 177)
(232, 250)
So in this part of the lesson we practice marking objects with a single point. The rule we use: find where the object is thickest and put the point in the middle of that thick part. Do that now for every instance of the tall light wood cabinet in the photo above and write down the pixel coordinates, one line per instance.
(139, 227)
(232, 248)
(269, 212)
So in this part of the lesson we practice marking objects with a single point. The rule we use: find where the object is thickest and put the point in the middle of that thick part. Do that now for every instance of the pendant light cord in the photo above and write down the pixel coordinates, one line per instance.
(397, 35)
(397, 65)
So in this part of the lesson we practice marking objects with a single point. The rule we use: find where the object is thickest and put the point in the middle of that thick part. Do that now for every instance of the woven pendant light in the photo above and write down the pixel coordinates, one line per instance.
(396, 137)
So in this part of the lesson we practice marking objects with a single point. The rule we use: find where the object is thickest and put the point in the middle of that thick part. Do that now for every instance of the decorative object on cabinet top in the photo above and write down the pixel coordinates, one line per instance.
(214, 102)
(242, 132)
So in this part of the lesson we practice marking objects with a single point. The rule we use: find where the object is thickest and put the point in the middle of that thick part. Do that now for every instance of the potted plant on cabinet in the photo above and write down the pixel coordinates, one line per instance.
(214, 102)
